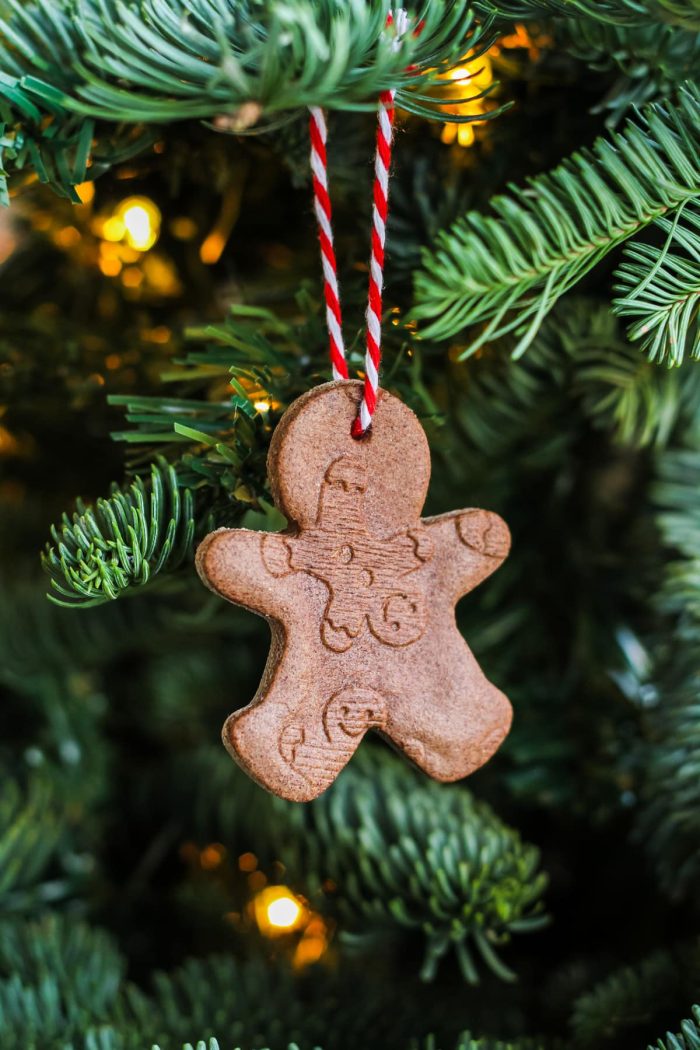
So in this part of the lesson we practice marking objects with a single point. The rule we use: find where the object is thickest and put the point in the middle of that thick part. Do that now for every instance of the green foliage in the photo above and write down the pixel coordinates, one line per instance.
(233, 62)
(468, 1042)
(661, 289)
(38, 640)
(30, 836)
(255, 1004)
(669, 821)
(468, 883)
(669, 817)
(246, 1004)
(634, 997)
(614, 12)
(224, 439)
(114, 781)
(123, 541)
(652, 60)
(687, 1039)
(60, 148)
(150, 527)
(580, 351)
(677, 501)
(58, 983)
(505, 273)
(213, 1044)
(62, 987)
(183, 59)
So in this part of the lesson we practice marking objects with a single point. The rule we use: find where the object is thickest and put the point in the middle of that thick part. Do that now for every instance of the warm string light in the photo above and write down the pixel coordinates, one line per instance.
(531, 39)
(135, 221)
(278, 911)
(274, 909)
(475, 76)
(128, 236)
(472, 76)
(280, 914)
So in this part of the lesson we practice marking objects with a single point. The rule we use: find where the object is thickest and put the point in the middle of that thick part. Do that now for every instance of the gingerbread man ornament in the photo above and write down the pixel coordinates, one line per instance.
(360, 593)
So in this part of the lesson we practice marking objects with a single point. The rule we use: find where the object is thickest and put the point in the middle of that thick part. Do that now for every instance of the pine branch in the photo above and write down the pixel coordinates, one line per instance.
(687, 1039)
(407, 853)
(505, 273)
(213, 1044)
(123, 542)
(640, 404)
(82, 961)
(167, 60)
(62, 149)
(677, 499)
(246, 1002)
(31, 833)
(634, 997)
(237, 63)
(62, 988)
(653, 60)
(661, 289)
(59, 980)
(39, 641)
(150, 527)
(466, 1041)
(613, 12)
(580, 353)
(254, 1003)
(669, 819)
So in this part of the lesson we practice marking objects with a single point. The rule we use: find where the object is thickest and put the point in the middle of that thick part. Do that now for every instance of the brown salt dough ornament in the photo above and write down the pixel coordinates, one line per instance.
(360, 594)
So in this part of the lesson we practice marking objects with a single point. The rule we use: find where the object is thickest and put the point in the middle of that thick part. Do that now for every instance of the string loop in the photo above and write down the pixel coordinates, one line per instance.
(318, 134)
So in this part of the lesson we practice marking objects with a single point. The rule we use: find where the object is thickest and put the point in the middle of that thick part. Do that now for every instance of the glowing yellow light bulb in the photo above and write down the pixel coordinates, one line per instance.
(278, 911)
(140, 221)
(139, 231)
(262, 406)
(113, 229)
(475, 75)
(283, 912)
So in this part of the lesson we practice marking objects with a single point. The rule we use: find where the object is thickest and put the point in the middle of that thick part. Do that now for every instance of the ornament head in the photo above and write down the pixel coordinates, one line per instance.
(314, 459)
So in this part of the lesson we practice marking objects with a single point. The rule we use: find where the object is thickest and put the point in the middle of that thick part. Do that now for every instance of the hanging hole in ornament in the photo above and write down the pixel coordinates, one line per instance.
(357, 432)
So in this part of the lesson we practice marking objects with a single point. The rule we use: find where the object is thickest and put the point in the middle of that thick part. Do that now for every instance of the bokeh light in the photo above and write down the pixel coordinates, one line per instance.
(278, 911)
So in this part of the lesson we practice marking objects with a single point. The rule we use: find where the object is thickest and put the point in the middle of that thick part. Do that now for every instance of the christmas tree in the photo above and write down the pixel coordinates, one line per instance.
(162, 305)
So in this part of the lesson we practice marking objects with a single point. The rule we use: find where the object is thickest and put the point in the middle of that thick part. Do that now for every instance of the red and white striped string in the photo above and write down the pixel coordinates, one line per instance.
(380, 211)
(322, 206)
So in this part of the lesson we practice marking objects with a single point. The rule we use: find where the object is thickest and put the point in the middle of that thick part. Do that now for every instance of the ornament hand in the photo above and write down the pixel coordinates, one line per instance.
(238, 563)
(471, 544)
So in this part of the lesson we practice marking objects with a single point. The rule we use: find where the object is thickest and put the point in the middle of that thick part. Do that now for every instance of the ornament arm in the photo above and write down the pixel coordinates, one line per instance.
(471, 545)
(248, 568)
